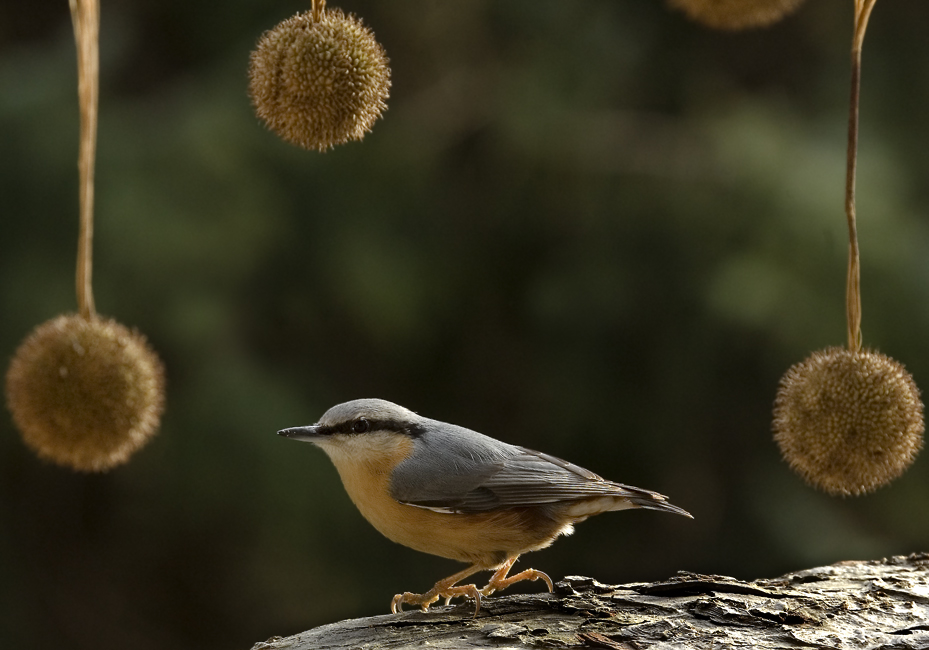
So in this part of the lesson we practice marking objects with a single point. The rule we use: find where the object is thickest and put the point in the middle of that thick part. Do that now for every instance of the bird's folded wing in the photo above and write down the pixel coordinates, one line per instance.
(479, 474)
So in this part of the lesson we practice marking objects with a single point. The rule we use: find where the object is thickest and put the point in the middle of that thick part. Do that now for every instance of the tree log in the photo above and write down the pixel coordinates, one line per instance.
(877, 605)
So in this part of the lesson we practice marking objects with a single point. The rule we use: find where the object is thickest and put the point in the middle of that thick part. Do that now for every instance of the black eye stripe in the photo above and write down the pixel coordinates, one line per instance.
(348, 427)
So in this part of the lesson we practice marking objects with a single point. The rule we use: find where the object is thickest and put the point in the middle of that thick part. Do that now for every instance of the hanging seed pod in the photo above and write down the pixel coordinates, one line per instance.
(85, 393)
(319, 79)
(736, 14)
(848, 422)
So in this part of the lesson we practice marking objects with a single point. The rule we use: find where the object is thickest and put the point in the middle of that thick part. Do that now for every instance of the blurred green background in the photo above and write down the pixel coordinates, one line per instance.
(589, 227)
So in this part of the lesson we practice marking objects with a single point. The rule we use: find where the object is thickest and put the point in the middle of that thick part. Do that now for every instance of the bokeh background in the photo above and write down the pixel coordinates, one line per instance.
(588, 227)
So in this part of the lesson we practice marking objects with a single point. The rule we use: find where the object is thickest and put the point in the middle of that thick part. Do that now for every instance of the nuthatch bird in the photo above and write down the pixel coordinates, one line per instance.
(449, 491)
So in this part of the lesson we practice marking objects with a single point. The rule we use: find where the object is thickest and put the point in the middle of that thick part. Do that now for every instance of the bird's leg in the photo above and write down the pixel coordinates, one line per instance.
(499, 580)
(443, 589)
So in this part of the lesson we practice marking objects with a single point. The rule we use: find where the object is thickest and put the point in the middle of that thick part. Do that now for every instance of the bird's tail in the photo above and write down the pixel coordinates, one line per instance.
(621, 497)
(638, 498)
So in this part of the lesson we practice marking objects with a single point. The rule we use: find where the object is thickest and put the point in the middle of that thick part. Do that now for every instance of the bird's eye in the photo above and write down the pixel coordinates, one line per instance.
(360, 426)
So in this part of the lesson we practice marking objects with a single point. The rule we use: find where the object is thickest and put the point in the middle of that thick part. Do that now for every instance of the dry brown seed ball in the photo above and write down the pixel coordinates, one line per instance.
(85, 393)
(319, 83)
(736, 14)
(848, 422)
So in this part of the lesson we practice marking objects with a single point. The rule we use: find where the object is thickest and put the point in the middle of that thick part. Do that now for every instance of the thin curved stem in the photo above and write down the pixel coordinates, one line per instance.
(318, 6)
(853, 282)
(85, 16)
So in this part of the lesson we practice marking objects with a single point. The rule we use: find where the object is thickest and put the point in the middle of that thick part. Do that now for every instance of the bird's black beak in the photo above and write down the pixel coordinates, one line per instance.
(309, 433)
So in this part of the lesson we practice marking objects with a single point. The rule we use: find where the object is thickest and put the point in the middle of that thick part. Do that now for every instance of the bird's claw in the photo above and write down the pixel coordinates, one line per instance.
(426, 599)
(445, 589)
(423, 600)
(498, 582)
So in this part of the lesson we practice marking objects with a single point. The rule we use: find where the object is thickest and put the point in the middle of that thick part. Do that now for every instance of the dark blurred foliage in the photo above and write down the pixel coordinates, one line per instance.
(587, 227)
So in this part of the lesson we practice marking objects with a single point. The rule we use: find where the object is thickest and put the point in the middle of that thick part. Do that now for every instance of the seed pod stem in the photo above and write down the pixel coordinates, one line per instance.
(318, 6)
(85, 17)
(853, 282)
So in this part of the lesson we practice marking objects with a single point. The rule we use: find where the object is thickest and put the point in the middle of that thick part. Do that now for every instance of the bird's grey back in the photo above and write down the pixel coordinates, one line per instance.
(448, 463)
(460, 470)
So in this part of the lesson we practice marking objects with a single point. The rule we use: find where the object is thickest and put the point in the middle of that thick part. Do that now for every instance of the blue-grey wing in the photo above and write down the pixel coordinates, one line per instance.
(448, 468)
(458, 470)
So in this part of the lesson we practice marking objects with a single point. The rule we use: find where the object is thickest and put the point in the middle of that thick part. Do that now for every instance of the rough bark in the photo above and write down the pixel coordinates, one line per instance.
(876, 605)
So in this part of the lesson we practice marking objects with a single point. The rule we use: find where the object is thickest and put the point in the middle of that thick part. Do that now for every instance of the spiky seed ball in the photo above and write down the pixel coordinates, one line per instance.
(319, 83)
(848, 422)
(736, 14)
(85, 393)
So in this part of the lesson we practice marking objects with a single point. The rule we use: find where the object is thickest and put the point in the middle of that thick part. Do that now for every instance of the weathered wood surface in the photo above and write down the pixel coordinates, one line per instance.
(874, 605)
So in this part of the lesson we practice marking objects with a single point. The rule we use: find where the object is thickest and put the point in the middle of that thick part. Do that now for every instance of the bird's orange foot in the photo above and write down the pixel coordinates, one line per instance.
(423, 600)
(500, 581)
(439, 591)
(442, 589)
